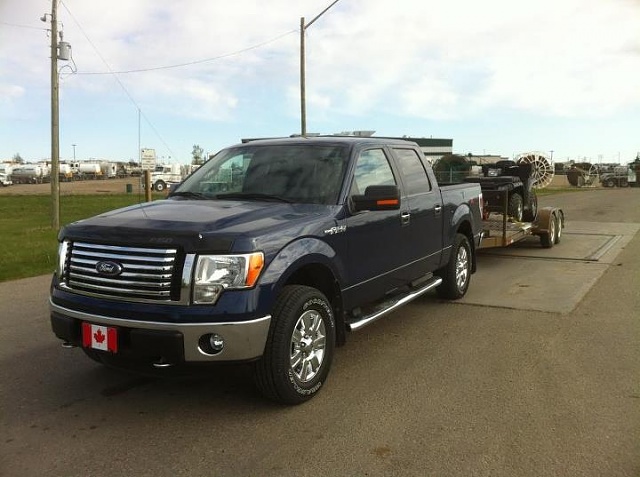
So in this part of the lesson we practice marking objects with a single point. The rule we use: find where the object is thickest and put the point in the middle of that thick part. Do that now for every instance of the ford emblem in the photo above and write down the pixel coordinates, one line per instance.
(109, 269)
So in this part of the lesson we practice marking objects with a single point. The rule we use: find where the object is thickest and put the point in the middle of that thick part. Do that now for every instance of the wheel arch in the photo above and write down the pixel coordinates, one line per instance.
(313, 263)
(464, 228)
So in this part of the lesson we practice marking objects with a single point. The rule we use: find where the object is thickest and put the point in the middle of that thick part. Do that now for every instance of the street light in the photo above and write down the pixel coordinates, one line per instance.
(303, 106)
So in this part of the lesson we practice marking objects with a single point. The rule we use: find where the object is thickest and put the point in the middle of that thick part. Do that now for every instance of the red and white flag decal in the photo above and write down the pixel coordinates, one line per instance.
(99, 337)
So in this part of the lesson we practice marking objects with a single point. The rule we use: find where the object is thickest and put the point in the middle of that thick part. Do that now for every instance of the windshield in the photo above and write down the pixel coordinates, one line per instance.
(298, 173)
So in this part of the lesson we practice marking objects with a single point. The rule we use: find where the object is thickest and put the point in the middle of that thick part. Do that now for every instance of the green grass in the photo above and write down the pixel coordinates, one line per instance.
(29, 244)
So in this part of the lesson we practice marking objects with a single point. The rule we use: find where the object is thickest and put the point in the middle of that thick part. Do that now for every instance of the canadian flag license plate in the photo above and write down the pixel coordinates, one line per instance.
(100, 337)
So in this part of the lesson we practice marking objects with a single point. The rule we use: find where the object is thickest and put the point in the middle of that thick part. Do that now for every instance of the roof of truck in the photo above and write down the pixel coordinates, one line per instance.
(351, 140)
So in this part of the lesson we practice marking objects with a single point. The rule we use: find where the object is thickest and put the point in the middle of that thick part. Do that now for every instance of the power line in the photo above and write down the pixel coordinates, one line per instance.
(195, 62)
(117, 79)
(21, 26)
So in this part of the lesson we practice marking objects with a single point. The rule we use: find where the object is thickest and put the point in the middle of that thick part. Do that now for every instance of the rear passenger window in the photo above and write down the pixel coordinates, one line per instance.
(413, 173)
(372, 168)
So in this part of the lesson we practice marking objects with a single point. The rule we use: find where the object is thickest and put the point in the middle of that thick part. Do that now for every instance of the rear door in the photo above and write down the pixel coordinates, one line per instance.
(423, 217)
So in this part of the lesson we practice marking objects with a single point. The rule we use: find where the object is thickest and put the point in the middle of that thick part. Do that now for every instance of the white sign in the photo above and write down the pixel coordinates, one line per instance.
(148, 159)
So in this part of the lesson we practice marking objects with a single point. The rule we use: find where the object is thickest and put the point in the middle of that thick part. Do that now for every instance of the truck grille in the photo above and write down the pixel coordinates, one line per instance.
(126, 273)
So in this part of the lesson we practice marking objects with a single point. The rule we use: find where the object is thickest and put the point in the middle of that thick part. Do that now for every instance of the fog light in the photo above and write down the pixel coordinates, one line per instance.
(211, 343)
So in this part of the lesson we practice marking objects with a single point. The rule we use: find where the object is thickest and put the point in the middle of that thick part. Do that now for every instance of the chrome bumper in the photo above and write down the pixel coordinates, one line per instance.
(244, 340)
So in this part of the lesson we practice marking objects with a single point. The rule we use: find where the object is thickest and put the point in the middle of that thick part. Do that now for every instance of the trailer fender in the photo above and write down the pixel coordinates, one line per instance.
(549, 217)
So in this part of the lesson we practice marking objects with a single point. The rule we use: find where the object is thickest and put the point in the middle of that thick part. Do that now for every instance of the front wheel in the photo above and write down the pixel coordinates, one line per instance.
(299, 348)
(456, 275)
(516, 207)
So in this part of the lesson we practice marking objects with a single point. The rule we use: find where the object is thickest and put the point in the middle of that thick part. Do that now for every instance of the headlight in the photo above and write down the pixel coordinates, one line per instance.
(215, 273)
(63, 248)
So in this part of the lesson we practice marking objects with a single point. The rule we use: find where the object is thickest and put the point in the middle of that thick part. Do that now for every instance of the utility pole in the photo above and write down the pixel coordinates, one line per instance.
(55, 127)
(303, 105)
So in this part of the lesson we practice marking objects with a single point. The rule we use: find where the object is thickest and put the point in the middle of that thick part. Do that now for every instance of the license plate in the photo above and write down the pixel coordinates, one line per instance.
(104, 338)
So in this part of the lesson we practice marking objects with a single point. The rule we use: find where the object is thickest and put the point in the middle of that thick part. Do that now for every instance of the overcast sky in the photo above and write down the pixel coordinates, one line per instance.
(497, 76)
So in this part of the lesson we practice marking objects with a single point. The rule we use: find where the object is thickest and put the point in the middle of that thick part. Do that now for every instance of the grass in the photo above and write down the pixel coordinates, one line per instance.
(29, 244)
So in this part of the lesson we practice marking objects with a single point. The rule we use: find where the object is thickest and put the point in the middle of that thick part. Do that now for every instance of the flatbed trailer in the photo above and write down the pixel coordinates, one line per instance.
(499, 231)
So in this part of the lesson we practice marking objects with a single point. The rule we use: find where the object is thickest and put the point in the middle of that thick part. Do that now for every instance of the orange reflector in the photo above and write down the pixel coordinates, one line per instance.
(387, 202)
(256, 262)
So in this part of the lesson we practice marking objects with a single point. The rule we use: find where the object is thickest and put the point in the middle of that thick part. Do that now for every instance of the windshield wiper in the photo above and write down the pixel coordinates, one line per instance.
(253, 196)
(189, 194)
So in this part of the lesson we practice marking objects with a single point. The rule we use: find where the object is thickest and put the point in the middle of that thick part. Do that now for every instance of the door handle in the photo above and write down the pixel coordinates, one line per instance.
(405, 218)
(438, 209)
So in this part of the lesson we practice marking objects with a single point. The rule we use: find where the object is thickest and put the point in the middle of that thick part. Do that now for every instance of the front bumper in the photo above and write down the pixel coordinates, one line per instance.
(169, 342)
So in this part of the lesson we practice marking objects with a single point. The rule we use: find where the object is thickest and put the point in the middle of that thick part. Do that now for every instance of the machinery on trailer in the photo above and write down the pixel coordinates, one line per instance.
(502, 224)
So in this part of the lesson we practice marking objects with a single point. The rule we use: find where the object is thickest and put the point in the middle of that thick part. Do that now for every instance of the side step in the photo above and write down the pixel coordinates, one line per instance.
(390, 305)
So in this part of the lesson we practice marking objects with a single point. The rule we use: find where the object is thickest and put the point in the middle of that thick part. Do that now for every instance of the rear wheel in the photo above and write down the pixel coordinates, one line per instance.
(531, 212)
(549, 238)
(558, 228)
(160, 186)
(299, 348)
(456, 276)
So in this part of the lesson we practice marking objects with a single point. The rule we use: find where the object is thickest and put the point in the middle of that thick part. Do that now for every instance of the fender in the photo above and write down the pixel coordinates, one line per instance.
(461, 218)
(301, 252)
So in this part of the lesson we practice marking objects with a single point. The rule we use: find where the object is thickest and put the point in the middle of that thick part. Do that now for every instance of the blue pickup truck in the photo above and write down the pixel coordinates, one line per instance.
(270, 253)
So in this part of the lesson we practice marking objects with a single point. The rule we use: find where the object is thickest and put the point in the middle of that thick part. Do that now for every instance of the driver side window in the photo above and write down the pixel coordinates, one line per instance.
(372, 168)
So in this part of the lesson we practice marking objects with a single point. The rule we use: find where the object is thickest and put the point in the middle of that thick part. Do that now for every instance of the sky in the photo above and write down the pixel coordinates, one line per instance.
(498, 77)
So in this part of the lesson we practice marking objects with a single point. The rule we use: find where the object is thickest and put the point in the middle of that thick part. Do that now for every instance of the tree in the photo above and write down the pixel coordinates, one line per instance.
(17, 158)
(197, 155)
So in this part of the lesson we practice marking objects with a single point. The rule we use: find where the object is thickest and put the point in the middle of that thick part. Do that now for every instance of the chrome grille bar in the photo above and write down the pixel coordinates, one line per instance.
(140, 274)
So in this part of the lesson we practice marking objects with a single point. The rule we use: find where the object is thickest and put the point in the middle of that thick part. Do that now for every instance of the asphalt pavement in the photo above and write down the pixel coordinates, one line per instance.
(435, 389)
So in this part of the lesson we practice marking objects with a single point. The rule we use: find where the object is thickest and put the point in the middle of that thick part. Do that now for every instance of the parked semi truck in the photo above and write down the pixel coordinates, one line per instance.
(271, 253)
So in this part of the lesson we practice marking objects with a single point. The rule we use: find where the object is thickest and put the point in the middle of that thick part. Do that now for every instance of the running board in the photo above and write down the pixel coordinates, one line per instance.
(393, 303)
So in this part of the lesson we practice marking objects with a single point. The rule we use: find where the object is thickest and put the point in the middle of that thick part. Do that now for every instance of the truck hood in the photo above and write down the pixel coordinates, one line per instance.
(198, 225)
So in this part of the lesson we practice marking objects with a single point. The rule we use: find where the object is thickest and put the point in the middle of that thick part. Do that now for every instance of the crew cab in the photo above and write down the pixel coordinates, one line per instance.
(270, 253)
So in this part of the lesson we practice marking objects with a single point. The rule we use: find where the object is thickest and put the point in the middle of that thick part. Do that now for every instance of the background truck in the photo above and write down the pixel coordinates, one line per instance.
(269, 253)
(5, 180)
(165, 175)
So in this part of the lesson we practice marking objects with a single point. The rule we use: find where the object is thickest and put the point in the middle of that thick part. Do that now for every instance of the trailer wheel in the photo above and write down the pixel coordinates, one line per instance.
(515, 207)
(548, 239)
(456, 275)
(624, 183)
(609, 183)
(559, 225)
(299, 348)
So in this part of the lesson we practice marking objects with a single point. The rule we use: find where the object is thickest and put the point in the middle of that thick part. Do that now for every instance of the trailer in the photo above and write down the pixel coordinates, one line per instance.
(500, 230)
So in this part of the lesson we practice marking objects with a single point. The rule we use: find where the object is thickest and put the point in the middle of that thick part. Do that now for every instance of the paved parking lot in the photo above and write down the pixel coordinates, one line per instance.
(435, 389)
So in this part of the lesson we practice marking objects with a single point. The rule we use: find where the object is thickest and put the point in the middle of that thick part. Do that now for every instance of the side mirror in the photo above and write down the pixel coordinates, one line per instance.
(380, 197)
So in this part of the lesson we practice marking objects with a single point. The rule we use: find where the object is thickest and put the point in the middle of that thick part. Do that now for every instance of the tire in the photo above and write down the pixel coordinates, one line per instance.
(549, 239)
(160, 186)
(456, 275)
(609, 183)
(531, 212)
(516, 208)
(624, 183)
(558, 229)
(299, 347)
